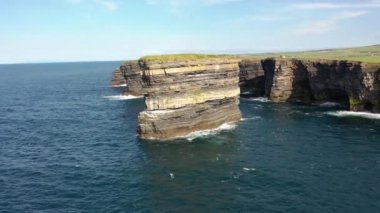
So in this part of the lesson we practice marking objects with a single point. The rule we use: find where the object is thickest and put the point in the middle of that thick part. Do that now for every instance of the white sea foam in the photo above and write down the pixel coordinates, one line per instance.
(223, 127)
(121, 97)
(171, 175)
(190, 137)
(121, 85)
(247, 93)
(248, 169)
(251, 118)
(355, 114)
(329, 104)
(259, 99)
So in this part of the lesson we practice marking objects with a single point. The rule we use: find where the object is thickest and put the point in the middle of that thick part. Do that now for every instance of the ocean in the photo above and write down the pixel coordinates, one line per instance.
(68, 143)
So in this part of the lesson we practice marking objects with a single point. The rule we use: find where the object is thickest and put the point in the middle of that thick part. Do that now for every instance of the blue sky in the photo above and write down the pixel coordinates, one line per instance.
(88, 30)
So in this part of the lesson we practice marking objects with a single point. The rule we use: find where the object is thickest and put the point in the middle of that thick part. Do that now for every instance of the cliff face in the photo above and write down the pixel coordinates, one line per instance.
(286, 80)
(133, 78)
(353, 84)
(251, 77)
(357, 84)
(118, 78)
(185, 96)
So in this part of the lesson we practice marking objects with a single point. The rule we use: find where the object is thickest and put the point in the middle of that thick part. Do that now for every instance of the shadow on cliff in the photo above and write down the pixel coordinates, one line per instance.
(341, 82)
(301, 92)
(269, 66)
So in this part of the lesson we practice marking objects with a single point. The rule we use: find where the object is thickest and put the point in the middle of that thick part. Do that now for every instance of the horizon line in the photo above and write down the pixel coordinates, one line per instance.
(233, 52)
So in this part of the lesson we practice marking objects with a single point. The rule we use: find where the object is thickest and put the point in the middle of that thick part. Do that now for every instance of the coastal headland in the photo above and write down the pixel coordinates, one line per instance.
(185, 93)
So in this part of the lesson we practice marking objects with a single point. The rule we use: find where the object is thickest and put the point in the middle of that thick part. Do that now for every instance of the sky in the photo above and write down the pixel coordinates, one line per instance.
(102, 30)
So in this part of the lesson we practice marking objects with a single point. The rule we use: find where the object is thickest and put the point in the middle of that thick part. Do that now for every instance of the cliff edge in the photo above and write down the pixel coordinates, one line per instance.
(353, 84)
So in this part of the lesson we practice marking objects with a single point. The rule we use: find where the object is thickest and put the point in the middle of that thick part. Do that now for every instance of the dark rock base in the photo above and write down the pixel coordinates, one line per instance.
(164, 124)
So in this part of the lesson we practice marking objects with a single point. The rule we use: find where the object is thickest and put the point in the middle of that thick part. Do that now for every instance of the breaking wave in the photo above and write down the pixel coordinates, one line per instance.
(355, 114)
(121, 85)
(203, 133)
(247, 93)
(121, 97)
(259, 99)
(251, 118)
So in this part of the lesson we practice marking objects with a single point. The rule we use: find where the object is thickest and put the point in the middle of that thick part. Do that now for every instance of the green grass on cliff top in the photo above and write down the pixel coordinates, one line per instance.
(369, 54)
(179, 57)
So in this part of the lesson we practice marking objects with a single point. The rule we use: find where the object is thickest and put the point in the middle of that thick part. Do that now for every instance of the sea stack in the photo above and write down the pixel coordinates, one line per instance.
(188, 93)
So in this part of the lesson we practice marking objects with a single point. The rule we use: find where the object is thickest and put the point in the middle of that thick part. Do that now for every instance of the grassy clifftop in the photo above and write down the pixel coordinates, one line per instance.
(180, 57)
(369, 54)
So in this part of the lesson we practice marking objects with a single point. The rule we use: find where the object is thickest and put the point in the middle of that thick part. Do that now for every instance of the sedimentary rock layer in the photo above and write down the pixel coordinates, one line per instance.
(251, 77)
(133, 77)
(287, 80)
(354, 84)
(172, 123)
(118, 78)
(184, 96)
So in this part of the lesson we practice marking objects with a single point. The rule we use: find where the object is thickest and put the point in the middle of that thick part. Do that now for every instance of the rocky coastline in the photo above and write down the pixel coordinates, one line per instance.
(355, 85)
(185, 95)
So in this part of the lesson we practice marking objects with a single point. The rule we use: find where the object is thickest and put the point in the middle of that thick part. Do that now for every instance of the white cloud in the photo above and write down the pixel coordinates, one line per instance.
(258, 18)
(215, 2)
(176, 3)
(109, 5)
(267, 18)
(182, 8)
(328, 5)
(152, 2)
(75, 1)
(323, 26)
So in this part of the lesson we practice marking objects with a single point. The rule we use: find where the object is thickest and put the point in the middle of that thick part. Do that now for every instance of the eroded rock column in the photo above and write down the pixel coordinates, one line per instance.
(287, 80)
(184, 96)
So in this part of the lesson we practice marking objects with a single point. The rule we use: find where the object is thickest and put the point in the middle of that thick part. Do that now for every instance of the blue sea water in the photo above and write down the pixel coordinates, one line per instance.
(65, 146)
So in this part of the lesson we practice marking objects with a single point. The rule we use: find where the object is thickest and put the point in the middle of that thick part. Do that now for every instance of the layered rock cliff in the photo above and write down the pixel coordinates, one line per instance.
(133, 77)
(118, 78)
(286, 80)
(353, 84)
(252, 78)
(184, 96)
